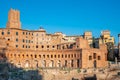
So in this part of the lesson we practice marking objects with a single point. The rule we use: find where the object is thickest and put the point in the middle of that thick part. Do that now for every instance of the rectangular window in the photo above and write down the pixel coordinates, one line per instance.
(17, 33)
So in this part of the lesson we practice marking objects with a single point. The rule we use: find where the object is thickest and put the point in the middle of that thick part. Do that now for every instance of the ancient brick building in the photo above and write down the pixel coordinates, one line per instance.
(37, 48)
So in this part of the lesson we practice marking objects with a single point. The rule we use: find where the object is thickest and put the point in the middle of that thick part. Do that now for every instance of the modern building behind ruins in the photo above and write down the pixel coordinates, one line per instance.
(37, 48)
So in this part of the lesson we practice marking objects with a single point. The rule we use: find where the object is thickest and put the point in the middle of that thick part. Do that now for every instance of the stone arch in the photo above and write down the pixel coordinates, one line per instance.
(11, 64)
(58, 63)
(43, 63)
(66, 63)
(36, 64)
(51, 64)
(72, 63)
(95, 63)
(19, 64)
(27, 64)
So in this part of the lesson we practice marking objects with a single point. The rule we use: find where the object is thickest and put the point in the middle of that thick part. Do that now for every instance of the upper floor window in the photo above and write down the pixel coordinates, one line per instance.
(99, 58)
(37, 46)
(16, 33)
(23, 46)
(23, 40)
(16, 46)
(90, 57)
(17, 40)
(53, 46)
(8, 32)
(94, 55)
(47, 46)
(42, 46)
(23, 33)
(2, 33)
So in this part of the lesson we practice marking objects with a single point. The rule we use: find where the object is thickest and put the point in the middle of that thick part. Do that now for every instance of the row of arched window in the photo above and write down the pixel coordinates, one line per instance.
(46, 55)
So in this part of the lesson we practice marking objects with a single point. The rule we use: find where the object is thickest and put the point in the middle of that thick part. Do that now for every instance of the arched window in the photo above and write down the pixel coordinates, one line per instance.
(90, 57)
(39, 56)
(47, 46)
(69, 56)
(58, 56)
(43, 56)
(35, 56)
(75, 55)
(94, 55)
(55, 56)
(51, 56)
(31, 56)
(47, 56)
(72, 55)
(99, 58)
(42, 46)
(65, 55)
(53, 46)
(23, 55)
(27, 55)
(62, 56)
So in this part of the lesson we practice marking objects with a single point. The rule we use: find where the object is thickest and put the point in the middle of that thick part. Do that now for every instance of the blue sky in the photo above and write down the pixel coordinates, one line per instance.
(72, 17)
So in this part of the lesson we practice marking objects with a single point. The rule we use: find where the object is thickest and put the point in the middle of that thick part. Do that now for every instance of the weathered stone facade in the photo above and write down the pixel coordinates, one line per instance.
(36, 48)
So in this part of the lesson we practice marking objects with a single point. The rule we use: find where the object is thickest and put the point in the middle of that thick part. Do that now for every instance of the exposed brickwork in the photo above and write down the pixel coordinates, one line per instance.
(33, 49)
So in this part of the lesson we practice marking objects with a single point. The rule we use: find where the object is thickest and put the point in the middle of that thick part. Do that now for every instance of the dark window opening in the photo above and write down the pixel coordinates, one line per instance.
(35, 56)
(62, 56)
(23, 46)
(37, 46)
(47, 46)
(55, 56)
(43, 56)
(99, 58)
(66, 56)
(40, 56)
(16, 46)
(8, 39)
(2, 33)
(69, 56)
(74, 55)
(94, 55)
(42, 46)
(65, 63)
(53, 46)
(17, 40)
(23, 40)
(90, 57)
(58, 56)
(51, 56)
(16, 33)
(47, 56)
